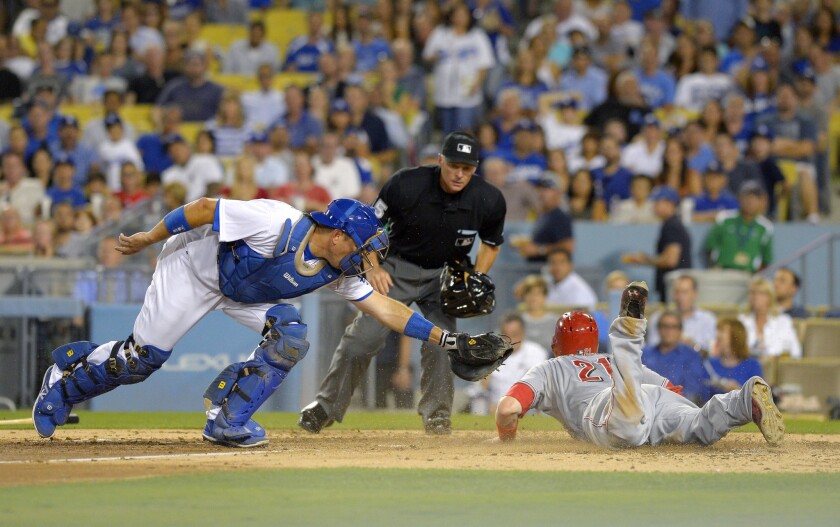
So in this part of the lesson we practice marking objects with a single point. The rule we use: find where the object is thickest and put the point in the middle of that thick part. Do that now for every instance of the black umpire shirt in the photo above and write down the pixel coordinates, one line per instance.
(672, 231)
(429, 227)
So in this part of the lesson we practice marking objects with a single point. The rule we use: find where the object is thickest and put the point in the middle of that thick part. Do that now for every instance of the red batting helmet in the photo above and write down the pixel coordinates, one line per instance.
(576, 333)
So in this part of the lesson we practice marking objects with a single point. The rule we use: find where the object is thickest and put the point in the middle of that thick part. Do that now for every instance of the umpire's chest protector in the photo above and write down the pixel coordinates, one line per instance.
(250, 278)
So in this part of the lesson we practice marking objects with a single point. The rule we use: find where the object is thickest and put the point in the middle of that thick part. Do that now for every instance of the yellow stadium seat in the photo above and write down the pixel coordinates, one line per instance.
(222, 35)
(240, 83)
(820, 338)
(293, 78)
(83, 112)
(833, 140)
(816, 377)
(284, 25)
(788, 169)
(140, 116)
(190, 131)
(6, 111)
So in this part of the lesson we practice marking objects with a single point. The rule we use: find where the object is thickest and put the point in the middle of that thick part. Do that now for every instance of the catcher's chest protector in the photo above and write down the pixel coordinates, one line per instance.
(250, 278)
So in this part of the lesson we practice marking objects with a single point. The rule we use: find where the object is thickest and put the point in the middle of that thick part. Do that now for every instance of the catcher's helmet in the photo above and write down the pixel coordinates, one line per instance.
(576, 333)
(359, 222)
(465, 293)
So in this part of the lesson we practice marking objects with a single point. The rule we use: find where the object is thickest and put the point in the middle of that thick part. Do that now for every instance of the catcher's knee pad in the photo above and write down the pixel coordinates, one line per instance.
(284, 341)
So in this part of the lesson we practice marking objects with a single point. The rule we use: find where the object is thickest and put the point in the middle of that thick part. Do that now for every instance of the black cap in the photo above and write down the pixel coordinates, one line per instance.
(753, 188)
(460, 147)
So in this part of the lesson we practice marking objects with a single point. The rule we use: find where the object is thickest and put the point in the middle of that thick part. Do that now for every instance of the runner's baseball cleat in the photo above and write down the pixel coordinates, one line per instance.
(765, 414)
(634, 300)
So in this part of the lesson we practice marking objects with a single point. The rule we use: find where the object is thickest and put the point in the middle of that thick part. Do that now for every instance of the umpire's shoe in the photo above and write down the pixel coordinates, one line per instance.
(313, 418)
(438, 425)
(634, 300)
(765, 414)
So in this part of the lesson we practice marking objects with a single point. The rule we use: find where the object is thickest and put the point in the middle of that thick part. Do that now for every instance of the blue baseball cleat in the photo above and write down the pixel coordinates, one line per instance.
(50, 410)
(248, 436)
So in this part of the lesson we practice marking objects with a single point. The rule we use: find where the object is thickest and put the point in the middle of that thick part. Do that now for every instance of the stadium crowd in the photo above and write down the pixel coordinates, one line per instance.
(624, 111)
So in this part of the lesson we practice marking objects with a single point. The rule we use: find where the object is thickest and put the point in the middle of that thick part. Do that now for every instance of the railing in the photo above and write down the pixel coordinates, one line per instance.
(801, 257)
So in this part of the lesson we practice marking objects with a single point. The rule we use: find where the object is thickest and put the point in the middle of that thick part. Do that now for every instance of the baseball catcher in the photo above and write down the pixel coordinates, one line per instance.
(616, 402)
(465, 292)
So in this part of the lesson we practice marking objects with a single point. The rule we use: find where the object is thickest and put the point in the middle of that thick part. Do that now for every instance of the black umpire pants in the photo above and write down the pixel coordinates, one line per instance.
(365, 337)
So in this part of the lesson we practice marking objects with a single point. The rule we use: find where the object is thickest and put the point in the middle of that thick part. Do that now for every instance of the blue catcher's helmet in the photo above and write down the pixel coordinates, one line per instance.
(359, 222)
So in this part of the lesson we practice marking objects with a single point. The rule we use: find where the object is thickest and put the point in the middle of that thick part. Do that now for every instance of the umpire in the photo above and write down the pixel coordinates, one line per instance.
(433, 213)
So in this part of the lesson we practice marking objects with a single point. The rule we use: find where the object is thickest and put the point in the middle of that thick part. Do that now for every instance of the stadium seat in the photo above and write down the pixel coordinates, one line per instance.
(222, 35)
(815, 377)
(240, 83)
(284, 25)
(298, 79)
(83, 112)
(821, 338)
(140, 116)
(190, 131)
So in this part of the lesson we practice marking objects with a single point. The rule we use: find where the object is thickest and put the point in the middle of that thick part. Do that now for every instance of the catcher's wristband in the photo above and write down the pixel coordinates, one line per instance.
(176, 221)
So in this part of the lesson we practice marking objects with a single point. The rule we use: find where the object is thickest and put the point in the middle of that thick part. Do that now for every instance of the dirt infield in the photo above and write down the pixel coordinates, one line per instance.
(125, 454)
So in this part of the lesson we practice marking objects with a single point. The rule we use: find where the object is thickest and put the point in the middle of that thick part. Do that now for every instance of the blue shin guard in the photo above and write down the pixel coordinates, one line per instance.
(84, 377)
(241, 388)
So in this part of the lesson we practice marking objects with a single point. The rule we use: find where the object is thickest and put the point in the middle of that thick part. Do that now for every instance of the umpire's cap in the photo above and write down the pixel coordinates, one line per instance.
(461, 147)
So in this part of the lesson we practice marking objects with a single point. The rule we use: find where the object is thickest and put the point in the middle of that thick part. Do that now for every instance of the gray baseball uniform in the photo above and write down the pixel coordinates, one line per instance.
(614, 401)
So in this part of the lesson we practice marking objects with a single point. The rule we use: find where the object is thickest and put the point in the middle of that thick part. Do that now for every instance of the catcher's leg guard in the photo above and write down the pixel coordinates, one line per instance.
(241, 388)
(87, 370)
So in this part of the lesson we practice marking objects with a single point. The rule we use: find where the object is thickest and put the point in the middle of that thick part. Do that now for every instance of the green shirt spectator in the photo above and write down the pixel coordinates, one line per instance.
(742, 240)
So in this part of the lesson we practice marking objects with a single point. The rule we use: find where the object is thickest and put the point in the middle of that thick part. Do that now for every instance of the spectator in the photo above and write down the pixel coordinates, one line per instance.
(656, 84)
(564, 20)
(644, 156)
(539, 321)
(244, 185)
(658, 33)
(15, 238)
(673, 248)
(795, 141)
(304, 130)
(410, 76)
(66, 238)
(40, 166)
(266, 104)
(19, 191)
(675, 172)
(39, 128)
(198, 97)
(509, 110)
(769, 332)
(758, 91)
(123, 64)
(369, 47)
(731, 364)
(568, 289)
(812, 106)
(228, 127)
(151, 146)
(766, 26)
(369, 124)
(638, 208)
(98, 28)
(525, 157)
(304, 51)
(140, 37)
(47, 11)
(742, 46)
(131, 189)
(525, 81)
(68, 146)
(786, 284)
(724, 14)
(612, 181)
(334, 171)
(205, 143)
(772, 178)
(108, 283)
(10, 84)
(584, 80)
(625, 104)
(95, 132)
(552, 228)
(270, 170)
(582, 202)
(64, 187)
(201, 174)
(301, 192)
(226, 11)
(521, 197)
(699, 154)
(462, 56)
(526, 354)
(246, 55)
(676, 361)
(715, 196)
(146, 88)
(66, 65)
(564, 133)
(742, 240)
(87, 89)
(116, 150)
(43, 239)
(738, 170)
(589, 156)
(696, 89)
(18, 61)
(698, 325)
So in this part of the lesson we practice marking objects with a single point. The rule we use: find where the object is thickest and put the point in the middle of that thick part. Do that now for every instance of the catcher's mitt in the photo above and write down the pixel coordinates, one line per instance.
(475, 357)
(466, 293)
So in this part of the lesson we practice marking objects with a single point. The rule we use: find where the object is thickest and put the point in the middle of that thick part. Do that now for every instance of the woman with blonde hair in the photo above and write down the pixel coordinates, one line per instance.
(229, 127)
(769, 332)
(244, 187)
(732, 364)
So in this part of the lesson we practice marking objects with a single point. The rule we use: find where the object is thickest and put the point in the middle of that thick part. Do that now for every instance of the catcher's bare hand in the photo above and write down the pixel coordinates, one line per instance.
(134, 243)
(380, 280)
